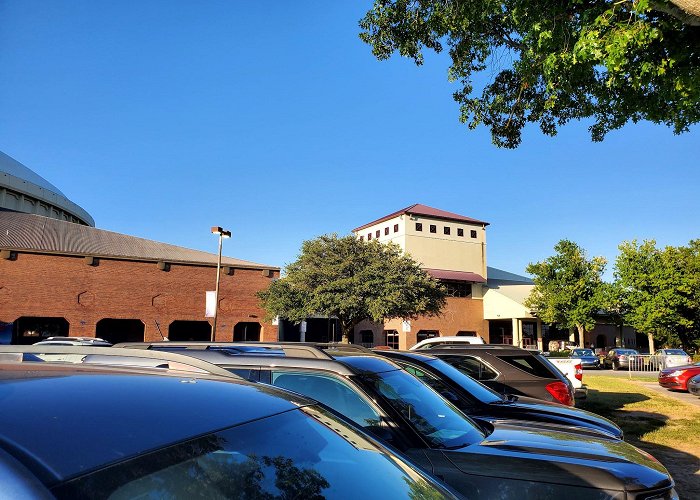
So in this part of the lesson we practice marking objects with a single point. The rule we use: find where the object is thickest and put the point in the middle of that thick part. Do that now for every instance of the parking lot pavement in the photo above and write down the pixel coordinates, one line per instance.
(681, 396)
(620, 373)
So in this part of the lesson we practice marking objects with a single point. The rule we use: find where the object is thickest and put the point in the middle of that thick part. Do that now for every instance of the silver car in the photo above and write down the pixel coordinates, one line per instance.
(667, 358)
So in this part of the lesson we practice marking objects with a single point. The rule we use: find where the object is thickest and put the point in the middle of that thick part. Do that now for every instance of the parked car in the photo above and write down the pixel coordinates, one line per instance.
(484, 460)
(668, 358)
(618, 358)
(676, 378)
(440, 341)
(694, 385)
(587, 357)
(510, 370)
(127, 432)
(483, 403)
(573, 371)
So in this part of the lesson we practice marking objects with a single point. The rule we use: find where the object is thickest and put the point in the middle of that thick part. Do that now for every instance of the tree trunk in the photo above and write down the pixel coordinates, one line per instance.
(346, 331)
(581, 335)
(650, 336)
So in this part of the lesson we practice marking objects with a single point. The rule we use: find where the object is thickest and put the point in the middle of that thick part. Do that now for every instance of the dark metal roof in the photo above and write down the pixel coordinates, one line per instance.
(36, 234)
(442, 274)
(426, 211)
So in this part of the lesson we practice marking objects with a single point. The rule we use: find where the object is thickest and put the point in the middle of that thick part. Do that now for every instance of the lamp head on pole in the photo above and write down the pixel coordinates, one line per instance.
(220, 231)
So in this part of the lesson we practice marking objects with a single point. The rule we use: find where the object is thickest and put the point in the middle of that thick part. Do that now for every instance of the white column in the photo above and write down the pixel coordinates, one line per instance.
(539, 334)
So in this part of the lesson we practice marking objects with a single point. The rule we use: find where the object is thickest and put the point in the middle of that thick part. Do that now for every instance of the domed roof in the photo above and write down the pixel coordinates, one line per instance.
(13, 167)
(27, 191)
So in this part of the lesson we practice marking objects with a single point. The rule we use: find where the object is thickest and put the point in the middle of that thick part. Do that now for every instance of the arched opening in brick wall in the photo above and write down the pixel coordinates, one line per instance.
(115, 331)
(246, 331)
(366, 338)
(189, 330)
(32, 329)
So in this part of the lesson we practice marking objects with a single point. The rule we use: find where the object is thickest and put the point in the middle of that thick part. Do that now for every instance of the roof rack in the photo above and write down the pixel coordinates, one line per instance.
(290, 349)
(110, 357)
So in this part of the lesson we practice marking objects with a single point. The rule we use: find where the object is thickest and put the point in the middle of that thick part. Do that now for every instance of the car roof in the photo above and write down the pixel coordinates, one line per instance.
(492, 349)
(65, 420)
(344, 360)
(421, 356)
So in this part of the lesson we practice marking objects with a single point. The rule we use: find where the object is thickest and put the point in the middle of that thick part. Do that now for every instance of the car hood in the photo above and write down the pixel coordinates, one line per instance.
(534, 409)
(514, 452)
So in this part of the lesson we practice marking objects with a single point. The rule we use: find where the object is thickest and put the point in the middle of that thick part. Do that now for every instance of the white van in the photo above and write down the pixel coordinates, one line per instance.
(441, 341)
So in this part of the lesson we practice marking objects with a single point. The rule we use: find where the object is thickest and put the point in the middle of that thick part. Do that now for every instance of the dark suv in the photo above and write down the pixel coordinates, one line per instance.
(98, 431)
(510, 370)
(482, 460)
(481, 402)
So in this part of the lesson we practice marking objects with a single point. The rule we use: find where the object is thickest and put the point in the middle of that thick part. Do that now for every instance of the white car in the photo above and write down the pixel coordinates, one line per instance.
(667, 358)
(441, 341)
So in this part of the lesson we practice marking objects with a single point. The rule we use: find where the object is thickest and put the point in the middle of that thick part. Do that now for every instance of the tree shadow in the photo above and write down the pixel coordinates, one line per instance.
(682, 466)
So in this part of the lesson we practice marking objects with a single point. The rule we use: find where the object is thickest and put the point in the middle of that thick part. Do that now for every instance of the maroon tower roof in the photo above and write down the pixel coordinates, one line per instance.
(426, 211)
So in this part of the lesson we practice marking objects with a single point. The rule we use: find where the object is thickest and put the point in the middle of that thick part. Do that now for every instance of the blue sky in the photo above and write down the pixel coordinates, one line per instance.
(273, 120)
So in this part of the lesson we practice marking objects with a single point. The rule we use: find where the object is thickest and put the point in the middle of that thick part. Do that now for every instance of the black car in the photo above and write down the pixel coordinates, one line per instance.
(587, 357)
(479, 459)
(481, 402)
(510, 370)
(98, 432)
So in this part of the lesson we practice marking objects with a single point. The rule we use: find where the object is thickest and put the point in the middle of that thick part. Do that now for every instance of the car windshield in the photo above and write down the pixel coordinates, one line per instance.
(626, 351)
(675, 352)
(297, 454)
(440, 423)
(582, 352)
(476, 389)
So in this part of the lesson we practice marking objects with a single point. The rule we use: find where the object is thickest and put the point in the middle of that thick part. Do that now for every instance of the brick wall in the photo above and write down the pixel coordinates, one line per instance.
(65, 286)
(460, 314)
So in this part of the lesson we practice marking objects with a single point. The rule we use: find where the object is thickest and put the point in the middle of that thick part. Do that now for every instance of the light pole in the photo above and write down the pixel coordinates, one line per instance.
(222, 234)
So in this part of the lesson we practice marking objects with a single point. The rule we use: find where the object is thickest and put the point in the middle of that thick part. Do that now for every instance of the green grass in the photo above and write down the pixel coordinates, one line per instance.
(666, 427)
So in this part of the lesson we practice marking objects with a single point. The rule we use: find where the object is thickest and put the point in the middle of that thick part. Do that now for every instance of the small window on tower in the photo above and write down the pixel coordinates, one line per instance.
(369, 236)
(377, 233)
(396, 228)
(460, 232)
(473, 233)
(419, 226)
(447, 229)
(386, 231)
(433, 228)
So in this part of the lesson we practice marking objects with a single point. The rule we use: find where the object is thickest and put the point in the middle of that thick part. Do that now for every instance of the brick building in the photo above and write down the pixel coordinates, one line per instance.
(60, 276)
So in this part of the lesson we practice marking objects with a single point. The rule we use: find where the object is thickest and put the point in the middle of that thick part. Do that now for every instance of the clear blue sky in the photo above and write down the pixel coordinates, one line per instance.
(272, 119)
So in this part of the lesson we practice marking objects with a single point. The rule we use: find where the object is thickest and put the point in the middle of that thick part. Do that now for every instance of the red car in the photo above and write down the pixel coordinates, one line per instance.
(678, 376)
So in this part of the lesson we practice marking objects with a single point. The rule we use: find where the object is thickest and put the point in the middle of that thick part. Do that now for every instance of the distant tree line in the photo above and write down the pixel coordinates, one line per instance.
(655, 290)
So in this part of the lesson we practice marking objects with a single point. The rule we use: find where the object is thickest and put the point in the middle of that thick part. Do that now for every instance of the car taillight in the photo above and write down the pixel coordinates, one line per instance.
(579, 372)
(560, 392)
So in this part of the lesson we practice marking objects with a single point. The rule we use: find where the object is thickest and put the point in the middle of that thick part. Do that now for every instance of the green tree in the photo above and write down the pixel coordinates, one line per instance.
(549, 62)
(352, 280)
(568, 288)
(661, 288)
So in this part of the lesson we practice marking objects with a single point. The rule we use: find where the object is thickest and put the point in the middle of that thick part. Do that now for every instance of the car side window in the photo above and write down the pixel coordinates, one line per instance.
(473, 367)
(330, 391)
(246, 373)
(431, 381)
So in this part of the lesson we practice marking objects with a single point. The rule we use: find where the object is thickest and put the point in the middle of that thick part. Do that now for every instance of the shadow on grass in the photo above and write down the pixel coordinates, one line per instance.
(635, 424)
